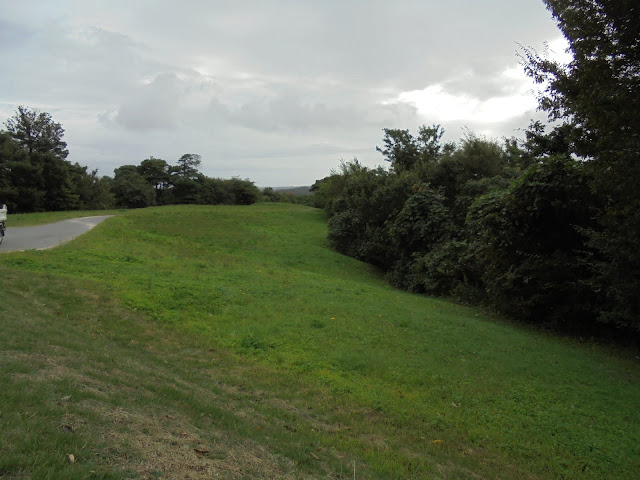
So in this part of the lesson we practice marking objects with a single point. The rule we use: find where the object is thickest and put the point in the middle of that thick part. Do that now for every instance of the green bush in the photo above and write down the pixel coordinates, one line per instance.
(528, 244)
(423, 221)
(360, 212)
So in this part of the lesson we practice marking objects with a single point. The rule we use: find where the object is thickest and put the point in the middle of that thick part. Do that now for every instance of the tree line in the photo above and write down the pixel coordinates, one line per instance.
(35, 175)
(545, 229)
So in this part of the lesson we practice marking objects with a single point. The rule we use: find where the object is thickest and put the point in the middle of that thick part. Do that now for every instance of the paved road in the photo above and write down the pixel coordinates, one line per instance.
(47, 236)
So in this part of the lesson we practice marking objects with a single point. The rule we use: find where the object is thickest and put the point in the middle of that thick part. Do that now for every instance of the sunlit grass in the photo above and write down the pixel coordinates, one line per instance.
(431, 388)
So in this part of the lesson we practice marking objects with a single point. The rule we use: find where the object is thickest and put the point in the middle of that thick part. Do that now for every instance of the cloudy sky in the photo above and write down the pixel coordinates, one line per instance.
(277, 91)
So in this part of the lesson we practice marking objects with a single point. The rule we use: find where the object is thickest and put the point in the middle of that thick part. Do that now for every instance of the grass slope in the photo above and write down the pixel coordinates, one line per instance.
(231, 341)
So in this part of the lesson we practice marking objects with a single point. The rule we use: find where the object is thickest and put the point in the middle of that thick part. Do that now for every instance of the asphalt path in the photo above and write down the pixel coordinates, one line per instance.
(47, 236)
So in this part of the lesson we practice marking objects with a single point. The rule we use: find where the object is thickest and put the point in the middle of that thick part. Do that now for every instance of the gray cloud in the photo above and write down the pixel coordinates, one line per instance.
(152, 106)
(275, 91)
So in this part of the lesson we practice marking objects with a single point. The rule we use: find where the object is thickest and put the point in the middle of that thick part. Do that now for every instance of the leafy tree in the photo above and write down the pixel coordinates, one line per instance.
(327, 190)
(268, 194)
(37, 132)
(10, 154)
(527, 242)
(188, 165)
(596, 100)
(36, 170)
(596, 95)
(130, 189)
(400, 149)
(94, 192)
(406, 152)
(422, 222)
(367, 201)
(244, 191)
(156, 172)
(546, 229)
(188, 190)
(60, 192)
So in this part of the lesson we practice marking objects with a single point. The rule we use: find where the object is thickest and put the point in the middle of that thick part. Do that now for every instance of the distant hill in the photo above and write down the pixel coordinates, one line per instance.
(297, 191)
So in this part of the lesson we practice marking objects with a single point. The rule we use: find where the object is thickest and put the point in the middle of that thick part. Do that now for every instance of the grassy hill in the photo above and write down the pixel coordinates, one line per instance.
(230, 342)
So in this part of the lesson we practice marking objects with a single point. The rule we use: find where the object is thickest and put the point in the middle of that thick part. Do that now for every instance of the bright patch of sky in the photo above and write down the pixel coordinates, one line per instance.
(437, 103)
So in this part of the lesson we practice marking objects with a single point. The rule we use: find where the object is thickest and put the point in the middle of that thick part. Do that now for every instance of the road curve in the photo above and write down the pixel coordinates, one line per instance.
(47, 236)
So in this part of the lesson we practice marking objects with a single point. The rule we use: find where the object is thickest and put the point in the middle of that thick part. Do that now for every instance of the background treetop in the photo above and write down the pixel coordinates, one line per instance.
(37, 132)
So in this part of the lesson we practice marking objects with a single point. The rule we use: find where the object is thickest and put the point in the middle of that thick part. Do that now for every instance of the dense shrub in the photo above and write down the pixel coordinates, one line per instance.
(489, 225)
(360, 210)
(528, 243)
(423, 221)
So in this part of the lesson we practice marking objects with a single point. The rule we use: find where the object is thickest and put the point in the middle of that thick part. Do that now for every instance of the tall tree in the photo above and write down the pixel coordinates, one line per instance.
(596, 100)
(10, 154)
(597, 94)
(188, 165)
(406, 152)
(156, 173)
(130, 189)
(37, 132)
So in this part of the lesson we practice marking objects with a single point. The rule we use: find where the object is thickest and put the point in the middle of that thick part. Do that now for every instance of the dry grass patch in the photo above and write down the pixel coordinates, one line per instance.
(165, 444)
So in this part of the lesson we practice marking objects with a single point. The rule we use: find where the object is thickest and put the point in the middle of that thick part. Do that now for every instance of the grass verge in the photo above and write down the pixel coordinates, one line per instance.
(240, 324)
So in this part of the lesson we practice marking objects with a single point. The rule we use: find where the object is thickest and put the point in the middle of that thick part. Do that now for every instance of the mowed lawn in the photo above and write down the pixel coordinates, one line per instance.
(231, 342)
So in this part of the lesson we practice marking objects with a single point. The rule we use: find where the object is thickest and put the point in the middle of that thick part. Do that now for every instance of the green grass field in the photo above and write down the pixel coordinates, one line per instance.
(231, 342)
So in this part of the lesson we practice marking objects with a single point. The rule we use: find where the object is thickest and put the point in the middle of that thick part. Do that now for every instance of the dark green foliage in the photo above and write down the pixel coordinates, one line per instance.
(35, 175)
(94, 192)
(130, 188)
(268, 194)
(25, 192)
(185, 190)
(473, 168)
(406, 152)
(36, 132)
(308, 200)
(489, 224)
(449, 268)
(327, 190)
(244, 191)
(156, 172)
(596, 95)
(529, 247)
(187, 167)
(303, 191)
(616, 266)
(596, 98)
(423, 221)
(396, 219)
(362, 203)
(184, 184)
(60, 192)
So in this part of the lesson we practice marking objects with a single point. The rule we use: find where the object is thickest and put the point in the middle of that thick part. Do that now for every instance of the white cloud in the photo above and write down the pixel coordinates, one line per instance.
(438, 103)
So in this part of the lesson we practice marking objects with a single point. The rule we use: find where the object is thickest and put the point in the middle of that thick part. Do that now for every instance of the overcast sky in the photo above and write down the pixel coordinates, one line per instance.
(277, 91)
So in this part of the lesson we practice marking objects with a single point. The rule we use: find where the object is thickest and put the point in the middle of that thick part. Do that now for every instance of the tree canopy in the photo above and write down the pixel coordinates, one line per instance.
(35, 175)
(596, 100)
(37, 132)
